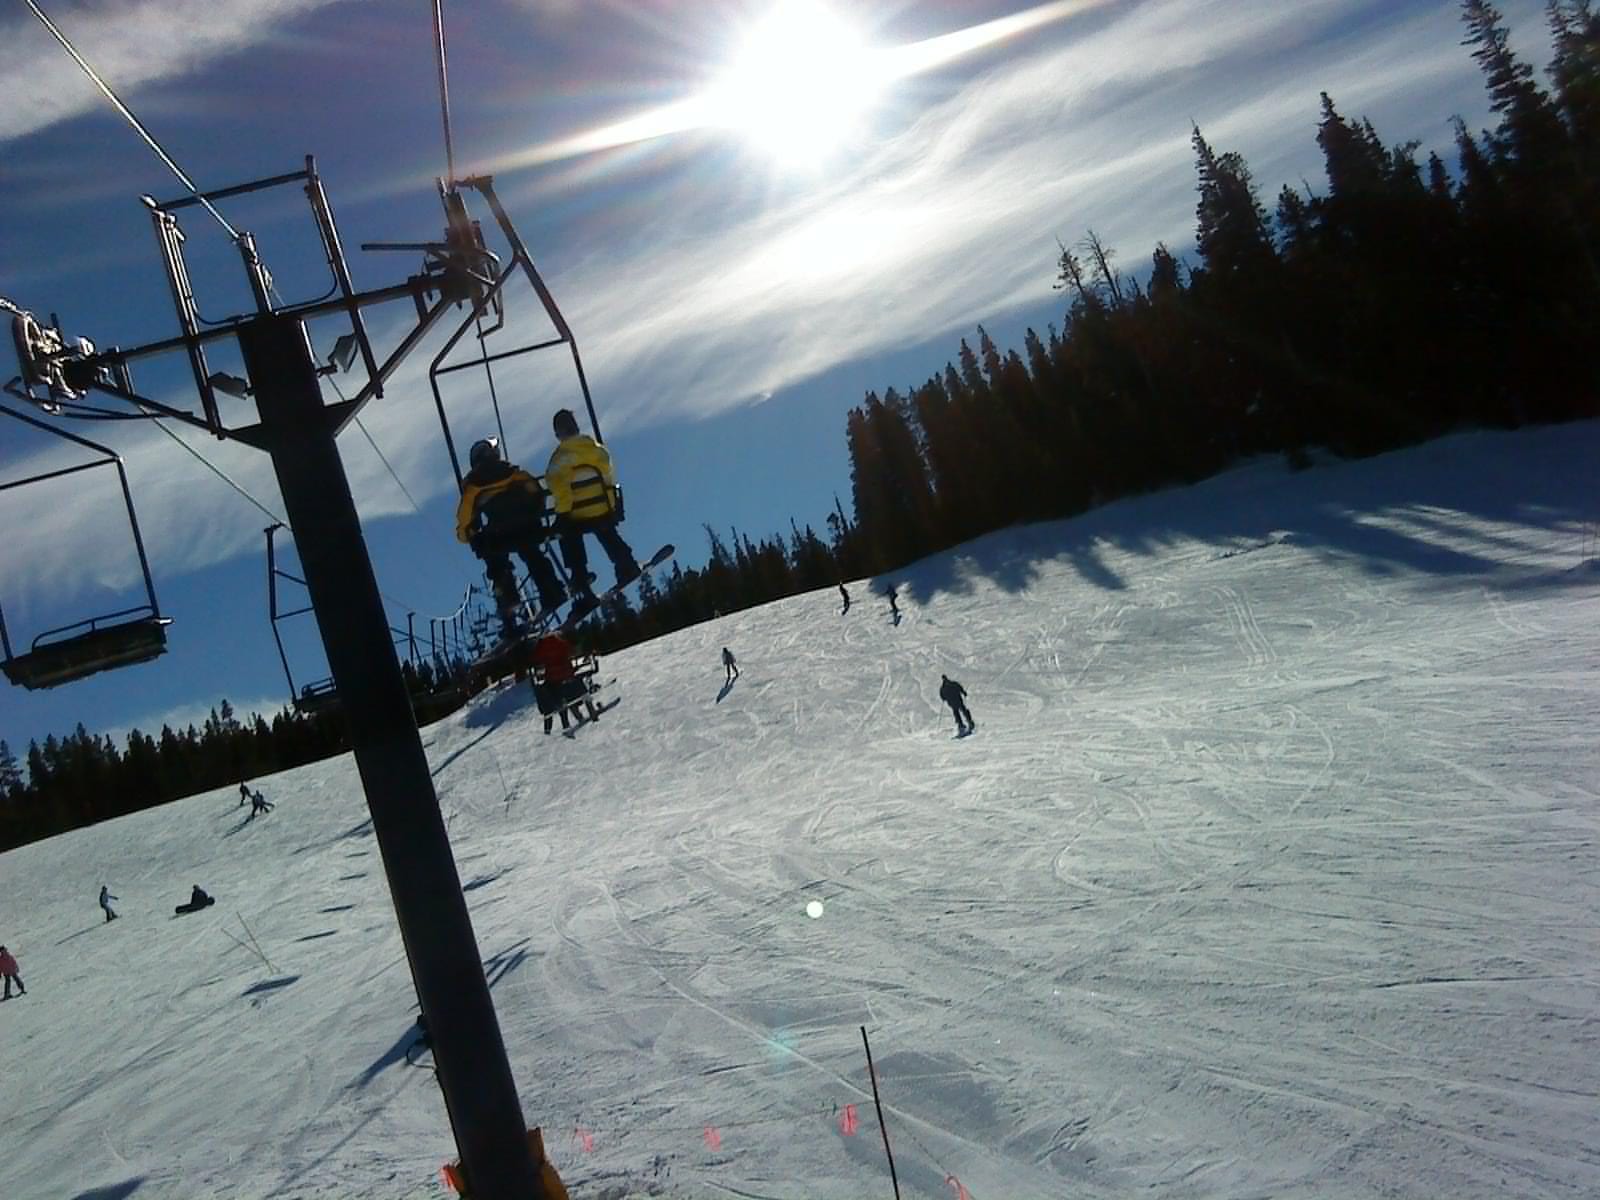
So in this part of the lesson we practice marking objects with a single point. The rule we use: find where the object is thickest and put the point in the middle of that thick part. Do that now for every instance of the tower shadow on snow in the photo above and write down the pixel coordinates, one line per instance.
(116, 1191)
(1435, 492)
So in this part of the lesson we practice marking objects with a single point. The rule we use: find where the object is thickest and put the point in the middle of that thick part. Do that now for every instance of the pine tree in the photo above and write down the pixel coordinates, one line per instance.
(10, 773)
(1575, 71)
(1231, 234)
(1531, 139)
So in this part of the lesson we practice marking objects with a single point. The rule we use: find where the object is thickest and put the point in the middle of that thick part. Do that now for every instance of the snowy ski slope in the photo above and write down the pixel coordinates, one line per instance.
(1270, 871)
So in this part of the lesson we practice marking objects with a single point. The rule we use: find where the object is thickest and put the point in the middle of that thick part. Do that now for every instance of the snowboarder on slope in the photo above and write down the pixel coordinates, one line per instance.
(105, 902)
(730, 664)
(846, 596)
(953, 694)
(510, 505)
(894, 605)
(259, 804)
(8, 968)
(583, 488)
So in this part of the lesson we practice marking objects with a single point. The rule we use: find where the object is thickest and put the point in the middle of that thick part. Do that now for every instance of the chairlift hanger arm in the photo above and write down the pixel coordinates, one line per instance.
(238, 189)
(347, 411)
(110, 454)
(504, 354)
(484, 185)
(416, 285)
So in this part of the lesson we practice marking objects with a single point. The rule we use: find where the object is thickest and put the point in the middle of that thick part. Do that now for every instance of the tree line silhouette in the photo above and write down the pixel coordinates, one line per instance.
(1401, 301)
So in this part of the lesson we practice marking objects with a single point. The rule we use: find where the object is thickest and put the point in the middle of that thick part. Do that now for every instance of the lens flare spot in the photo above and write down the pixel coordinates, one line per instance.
(814, 909)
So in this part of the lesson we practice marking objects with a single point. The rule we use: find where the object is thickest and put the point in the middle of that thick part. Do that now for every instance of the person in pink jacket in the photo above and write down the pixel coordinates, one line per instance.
(8, 968)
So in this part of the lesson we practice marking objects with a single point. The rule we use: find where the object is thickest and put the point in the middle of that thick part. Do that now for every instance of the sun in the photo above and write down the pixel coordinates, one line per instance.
(800, 84)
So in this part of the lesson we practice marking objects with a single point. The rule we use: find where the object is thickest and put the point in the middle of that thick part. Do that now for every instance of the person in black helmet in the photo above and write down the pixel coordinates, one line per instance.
(583, 488)
(501, 513)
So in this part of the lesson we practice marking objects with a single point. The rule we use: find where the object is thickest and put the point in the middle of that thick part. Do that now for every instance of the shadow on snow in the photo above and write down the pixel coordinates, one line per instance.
(1369, 512)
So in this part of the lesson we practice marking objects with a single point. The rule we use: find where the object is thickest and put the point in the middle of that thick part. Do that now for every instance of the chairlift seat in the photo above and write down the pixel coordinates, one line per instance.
(101, 648)
(317, 698)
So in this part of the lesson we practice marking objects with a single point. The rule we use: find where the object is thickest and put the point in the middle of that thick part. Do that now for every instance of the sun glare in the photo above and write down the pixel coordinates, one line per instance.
(800, 85)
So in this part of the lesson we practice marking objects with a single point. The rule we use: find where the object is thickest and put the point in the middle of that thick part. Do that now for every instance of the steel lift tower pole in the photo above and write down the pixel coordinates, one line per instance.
(298, 430)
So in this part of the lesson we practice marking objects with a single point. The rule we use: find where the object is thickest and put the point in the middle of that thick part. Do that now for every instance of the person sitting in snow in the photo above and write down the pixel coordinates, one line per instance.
(105, 902)
(197, 900)
(501, 513)
(8, 968)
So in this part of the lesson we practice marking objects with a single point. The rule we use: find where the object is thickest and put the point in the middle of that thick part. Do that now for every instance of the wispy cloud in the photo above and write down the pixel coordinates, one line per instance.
(128, 43)
(183, 716)
(956, 218)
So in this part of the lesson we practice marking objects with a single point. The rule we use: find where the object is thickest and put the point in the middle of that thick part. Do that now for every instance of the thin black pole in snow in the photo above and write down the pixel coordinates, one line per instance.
(882, 1128)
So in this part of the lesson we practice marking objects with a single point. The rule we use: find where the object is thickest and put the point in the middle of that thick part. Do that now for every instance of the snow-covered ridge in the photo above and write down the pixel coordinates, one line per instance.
(1271, 870)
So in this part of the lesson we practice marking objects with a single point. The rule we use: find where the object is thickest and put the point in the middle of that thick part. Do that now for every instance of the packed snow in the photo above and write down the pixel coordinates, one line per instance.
(1270, 871)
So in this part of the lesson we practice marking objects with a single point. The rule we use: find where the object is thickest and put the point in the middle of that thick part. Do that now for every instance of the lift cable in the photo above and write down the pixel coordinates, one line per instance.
(338, 391)
(444, 91)
(236, 486)
(417, 508)
(127, 113)
(218, 472)
(378, 450)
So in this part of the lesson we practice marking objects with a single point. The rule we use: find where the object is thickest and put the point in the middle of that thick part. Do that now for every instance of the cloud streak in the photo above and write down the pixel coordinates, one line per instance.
(128, 44)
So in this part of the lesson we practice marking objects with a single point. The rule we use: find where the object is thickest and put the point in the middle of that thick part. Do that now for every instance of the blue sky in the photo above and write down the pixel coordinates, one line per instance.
(730, 303)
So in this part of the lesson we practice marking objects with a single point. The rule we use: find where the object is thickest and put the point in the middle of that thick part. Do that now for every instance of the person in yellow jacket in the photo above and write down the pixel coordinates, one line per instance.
(501, 513)
(583, 489)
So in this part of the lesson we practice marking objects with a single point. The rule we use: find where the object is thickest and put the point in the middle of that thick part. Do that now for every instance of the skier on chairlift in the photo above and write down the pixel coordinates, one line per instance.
(557, 685)
(583, 488)
(501, 513)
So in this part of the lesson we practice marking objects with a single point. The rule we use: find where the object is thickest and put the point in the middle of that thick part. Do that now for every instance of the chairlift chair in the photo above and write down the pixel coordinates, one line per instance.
(99, 643)
(321, 696)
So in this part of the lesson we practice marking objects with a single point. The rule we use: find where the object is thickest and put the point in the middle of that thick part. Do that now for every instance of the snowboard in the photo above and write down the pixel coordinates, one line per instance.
(611, 593)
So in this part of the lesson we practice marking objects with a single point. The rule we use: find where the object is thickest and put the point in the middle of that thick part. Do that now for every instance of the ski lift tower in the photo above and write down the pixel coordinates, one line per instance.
(298, 429)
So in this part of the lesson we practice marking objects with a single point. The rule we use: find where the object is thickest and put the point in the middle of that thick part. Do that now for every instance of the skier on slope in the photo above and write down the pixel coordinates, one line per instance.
(894, 602)
(105, 902)
(9, 969)
(501, 513)
(583, 488)
(731, 665)
(953, 694)
(244, 793)
(557, 686)
(259, 804)
(846, 596)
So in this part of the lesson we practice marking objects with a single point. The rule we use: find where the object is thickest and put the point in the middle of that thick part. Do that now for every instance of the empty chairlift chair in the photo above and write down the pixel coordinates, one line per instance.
(99, 643)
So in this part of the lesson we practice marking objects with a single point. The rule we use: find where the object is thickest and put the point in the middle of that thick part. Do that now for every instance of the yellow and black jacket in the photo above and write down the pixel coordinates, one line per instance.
(504, 495)
(581, 482)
